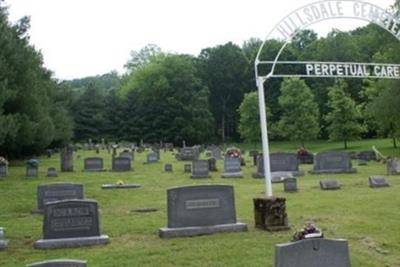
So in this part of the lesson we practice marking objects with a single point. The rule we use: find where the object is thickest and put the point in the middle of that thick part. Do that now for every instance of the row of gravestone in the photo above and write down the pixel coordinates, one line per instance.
(191, 211)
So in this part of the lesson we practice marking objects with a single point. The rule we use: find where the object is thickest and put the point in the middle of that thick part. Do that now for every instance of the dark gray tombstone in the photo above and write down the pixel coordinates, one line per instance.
(212, 165)
(152, 158)
(232, 168)
(187, 168)
(333, 162)
(305, 158)
(67, 159)
(187, 153)
(121, 164)
(120, 186)
(317, 252)
(200, 169)
(168, 167)
(377, 181)
(260, 167)
(59, 263)
(393, 166)
(329, 184)
(290, 185)
(94, 164)
(199, 210)
(3, 170)
(285, 162)
(32, 171)
(366, 155)
(71, 223)
(52, 172)
(3, 242)
(56, 192)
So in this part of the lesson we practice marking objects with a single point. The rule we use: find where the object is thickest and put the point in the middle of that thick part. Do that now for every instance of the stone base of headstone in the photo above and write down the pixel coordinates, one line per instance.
(270, 214)
(95, 170)
(201, 230)
(71, 242)
(232, 175)
(122, 186)
(3, 244)
(333, 171)
(312, 253)
(59, 263)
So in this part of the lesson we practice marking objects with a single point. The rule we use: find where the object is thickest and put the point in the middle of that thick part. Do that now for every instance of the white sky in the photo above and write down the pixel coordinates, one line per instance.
(81, 38)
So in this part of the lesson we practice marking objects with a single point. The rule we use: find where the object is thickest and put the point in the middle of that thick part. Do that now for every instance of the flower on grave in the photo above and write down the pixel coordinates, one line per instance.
(233, 152)
(310, 231)
(120, 182)
(3, 161)
(32, 163)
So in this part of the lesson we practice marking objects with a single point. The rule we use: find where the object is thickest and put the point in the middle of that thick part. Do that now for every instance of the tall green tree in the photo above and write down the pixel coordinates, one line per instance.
(299, 121)
(344, 116)
(249, 123)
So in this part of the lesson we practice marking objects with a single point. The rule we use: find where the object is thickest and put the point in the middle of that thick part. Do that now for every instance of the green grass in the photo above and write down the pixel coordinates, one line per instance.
(368, 218)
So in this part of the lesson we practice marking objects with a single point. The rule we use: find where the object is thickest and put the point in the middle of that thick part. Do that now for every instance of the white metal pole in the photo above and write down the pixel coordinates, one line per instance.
(264, 136)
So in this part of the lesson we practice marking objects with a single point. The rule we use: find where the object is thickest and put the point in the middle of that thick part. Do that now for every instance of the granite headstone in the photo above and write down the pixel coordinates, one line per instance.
(333, 162)
(94, 164)
(200, 169)
(56, 192)
(232, 168)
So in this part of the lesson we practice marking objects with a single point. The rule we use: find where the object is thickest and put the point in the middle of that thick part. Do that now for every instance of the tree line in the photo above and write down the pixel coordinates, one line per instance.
(209, 98)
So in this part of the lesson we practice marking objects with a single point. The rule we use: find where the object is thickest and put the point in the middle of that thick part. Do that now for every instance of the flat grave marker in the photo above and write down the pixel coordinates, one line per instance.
(329, 184)
(377, 182)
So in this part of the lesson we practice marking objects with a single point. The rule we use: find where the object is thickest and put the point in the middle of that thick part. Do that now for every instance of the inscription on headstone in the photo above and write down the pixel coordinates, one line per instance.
(59, 263)
(200, 169)
(67, 159)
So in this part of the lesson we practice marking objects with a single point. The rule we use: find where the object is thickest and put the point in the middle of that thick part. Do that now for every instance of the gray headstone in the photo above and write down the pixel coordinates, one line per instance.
(285, 162)
(94, 164)
(393, 166)
(152, 157)
(290, 185)
(51, 172)
(56, 192)
(67, 159)
(71, 223)
(3, 242)
(201, 209)
(279, 177)
(212, 165)
(260, 167)
(377, 181)
(3, 170)
(329, 185)
(125, 154)
(367, 155)
(333, 162)
(168, 167)
(200, 169)
(59, 263)
(232, 168)
(318, 252)
(32, 171)
(121, 164)
(187, 168)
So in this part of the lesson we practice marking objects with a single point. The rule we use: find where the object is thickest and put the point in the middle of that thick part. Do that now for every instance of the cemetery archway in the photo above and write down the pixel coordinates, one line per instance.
(301, 19)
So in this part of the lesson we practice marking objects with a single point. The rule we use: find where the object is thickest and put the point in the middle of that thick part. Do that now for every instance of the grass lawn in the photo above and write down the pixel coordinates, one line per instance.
(368, 218)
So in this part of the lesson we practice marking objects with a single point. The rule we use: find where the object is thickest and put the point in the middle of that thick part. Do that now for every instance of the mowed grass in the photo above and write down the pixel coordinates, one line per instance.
(368, 218)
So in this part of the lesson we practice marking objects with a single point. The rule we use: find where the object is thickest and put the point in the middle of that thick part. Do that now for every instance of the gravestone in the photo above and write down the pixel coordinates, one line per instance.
(290, 185)
(59, 263)
(200, 169)
(393, 166)
(3, 170)
(279, 177)
(366, 155)
(212, 165)
(187, 153)
(316, 252)
(187, 168)
(3, 242)
(94, 164)
(285, 162)
(232, 168)
(152, 158)
(56, 192)
(121, 164)
(216, 153)
(333, 162)
(329, 184)
(199, 210)
(67, 159)
(127, 154)
(51, 172)
(32, 170)
(168, 167)
(305, 158)
(71, 223)
(260, 167)
(377, 181)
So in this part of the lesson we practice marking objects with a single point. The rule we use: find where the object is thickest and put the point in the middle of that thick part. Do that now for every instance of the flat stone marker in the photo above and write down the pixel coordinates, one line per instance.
(71, 223)
(200, 169)
(3, 242)
(285, 162)
(329, 185)
(318, 252)
(200, 210)
(290, 185)
(279, 177)
(120, 186)
(52, 172)
(377, 181)
(121, 164)
(333, 162)
(152, 158)
(168, 168)
(59, 263)
(94, 164)
(232, 168)
(56, 192)
(187, 168)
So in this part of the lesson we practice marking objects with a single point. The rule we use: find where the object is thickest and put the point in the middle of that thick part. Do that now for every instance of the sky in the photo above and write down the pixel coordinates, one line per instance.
(80, 38)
